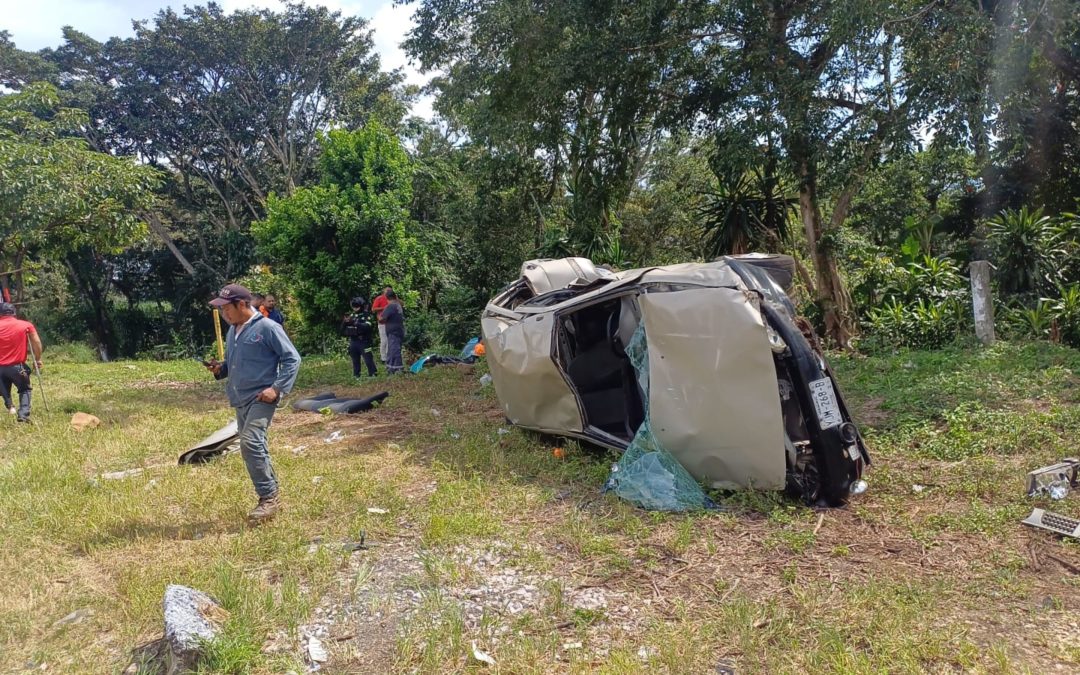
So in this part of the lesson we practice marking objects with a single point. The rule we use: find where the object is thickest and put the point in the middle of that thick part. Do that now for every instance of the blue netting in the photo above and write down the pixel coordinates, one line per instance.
(648, 475)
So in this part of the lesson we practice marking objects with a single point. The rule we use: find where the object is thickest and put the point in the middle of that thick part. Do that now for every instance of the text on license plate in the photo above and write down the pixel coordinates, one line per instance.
(824, 396)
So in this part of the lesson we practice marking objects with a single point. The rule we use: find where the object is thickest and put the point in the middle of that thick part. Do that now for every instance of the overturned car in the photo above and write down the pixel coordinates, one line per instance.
(736, 387)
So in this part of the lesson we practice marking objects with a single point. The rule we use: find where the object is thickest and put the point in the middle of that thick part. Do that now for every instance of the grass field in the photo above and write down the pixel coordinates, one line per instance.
(488, 539)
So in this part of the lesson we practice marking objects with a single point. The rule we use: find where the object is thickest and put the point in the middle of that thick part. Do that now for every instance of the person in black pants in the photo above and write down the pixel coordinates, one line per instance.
(359, 328)
(18, 340)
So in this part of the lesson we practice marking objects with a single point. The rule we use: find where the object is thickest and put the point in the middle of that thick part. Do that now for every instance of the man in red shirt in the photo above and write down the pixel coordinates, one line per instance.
(14, 335)
(377, 306)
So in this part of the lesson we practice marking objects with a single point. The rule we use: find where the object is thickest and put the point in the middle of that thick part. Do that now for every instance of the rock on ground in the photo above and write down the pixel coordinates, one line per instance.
(81, 421)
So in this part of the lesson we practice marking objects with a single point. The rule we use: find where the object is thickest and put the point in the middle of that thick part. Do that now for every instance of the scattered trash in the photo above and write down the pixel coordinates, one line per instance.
(1057, 523)
(81, 421)
(725, 668)
(75, 617)
(503, 432)
(558, 453)
(117, 475)
(299, 450)
(375, 509)
(334, 437)
(485, 379)
(482, 657)
(455, 436)
(571, 645)
(1055, 480)
(917, 488)
(435, 412)
(316, 651)
(315, 480)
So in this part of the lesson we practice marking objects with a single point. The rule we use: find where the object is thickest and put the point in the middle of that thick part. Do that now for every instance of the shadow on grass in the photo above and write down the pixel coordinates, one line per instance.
(147, 530)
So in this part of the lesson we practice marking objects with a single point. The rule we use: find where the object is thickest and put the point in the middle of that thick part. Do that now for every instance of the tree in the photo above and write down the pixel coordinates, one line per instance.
(58, 197)
(838, 84)
(230, 106)
(561, 80)
(351, 233)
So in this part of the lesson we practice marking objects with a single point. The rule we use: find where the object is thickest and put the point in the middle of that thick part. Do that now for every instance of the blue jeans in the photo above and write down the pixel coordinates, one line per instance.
(253, 421)
(393, 353)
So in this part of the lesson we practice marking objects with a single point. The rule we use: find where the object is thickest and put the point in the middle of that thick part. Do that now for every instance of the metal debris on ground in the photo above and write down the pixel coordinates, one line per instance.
(75, 617)
(316, 652)
(1055, 480)
(1057, 523)
(482, 657)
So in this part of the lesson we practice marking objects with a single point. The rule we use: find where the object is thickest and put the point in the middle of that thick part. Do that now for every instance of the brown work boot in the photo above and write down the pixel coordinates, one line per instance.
(268, 508)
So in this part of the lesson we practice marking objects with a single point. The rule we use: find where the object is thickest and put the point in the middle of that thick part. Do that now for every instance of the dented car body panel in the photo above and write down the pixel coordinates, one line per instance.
(739, 393)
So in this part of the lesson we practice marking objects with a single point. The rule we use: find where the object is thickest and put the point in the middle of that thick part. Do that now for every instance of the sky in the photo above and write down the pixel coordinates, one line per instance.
(37, 24)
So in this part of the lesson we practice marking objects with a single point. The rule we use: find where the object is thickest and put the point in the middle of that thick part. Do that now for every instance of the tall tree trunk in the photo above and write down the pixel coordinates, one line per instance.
(96, 296)
(832, 295)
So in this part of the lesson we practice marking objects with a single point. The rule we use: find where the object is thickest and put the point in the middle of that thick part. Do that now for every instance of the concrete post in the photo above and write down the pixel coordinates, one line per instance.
(982, 301)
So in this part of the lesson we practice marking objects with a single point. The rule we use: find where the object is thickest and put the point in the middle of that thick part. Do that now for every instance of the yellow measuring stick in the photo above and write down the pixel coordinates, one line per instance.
(217, 332)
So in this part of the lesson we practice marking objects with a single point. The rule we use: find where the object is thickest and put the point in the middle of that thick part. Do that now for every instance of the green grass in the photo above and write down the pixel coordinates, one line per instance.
(929, 571)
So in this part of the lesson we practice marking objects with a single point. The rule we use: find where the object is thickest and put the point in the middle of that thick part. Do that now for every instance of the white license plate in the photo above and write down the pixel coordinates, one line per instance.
(824, 396)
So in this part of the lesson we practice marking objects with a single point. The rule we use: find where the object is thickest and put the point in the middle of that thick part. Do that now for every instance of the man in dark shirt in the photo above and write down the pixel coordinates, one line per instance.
(393, 317)
(272, 312)
(359, 328)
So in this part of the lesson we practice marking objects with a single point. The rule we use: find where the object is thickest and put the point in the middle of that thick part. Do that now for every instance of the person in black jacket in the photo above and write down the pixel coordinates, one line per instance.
(359, 328)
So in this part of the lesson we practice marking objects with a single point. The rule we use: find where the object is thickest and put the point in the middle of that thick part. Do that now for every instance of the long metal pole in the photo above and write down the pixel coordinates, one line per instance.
(41, 380)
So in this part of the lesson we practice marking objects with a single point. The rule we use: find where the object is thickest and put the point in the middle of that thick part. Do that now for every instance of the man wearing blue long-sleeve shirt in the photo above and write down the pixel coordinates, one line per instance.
(261, 365)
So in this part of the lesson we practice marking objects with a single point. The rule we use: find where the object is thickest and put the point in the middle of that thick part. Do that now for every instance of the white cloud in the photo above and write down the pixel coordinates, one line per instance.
(36, 25)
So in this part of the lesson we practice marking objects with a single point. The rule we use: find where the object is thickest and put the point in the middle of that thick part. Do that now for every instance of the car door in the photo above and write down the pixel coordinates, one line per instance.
(713, 396)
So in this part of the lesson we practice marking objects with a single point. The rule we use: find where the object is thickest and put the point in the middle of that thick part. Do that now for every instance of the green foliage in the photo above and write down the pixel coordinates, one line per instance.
(1030, 322)
(352, 233)
(1026, 250)
(1067, 313)
(921, 304)
(747, 212)
(56, 193)
(922, 325)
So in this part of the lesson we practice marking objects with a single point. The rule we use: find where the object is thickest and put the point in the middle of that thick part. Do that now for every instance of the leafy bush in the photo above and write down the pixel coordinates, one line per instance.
(1029, 322)
(924, 324)
(1066, 311)
(1027, 249)
(921, 304)
(70, 352)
